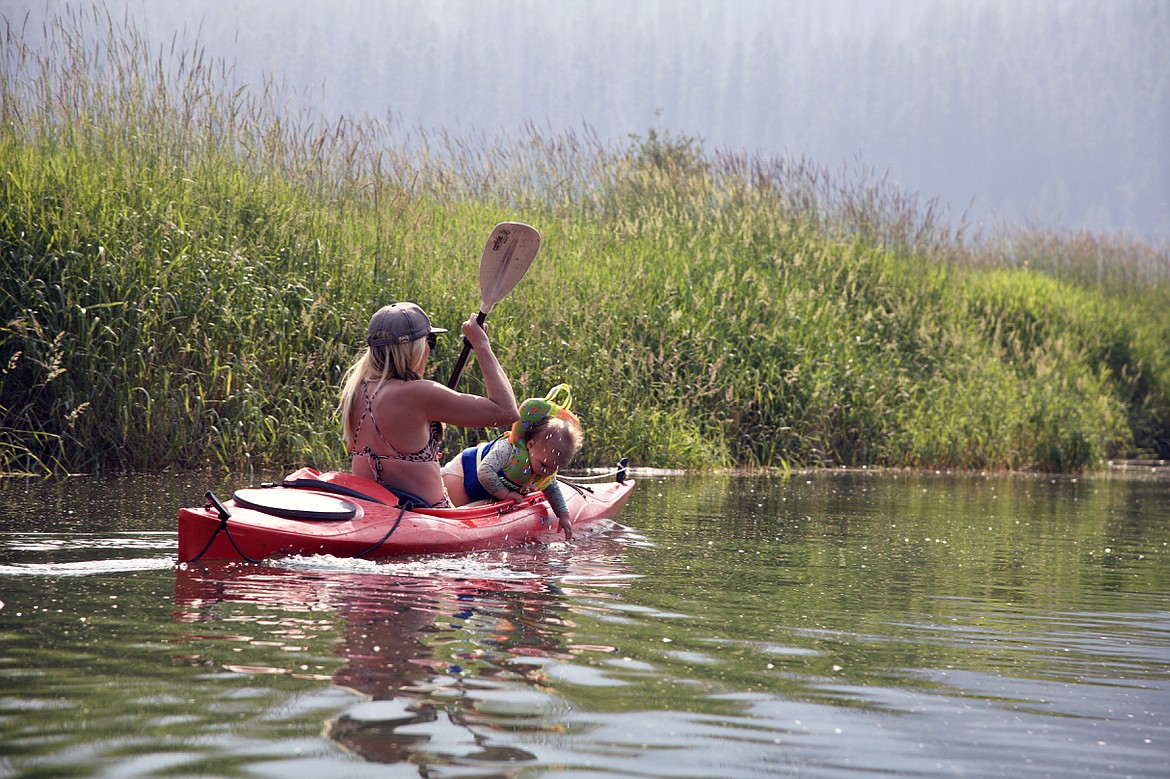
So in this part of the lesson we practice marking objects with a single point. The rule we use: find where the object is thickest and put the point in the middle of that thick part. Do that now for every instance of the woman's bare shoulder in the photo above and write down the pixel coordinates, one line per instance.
(408, 393)
(424, 389)
(432, 400)
(420, 397)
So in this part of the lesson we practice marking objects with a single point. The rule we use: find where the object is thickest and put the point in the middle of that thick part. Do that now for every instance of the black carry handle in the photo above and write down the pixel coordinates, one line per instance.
(219, 507)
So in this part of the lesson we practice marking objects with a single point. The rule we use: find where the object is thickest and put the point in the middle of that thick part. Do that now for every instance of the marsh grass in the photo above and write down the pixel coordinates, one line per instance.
(188, 268)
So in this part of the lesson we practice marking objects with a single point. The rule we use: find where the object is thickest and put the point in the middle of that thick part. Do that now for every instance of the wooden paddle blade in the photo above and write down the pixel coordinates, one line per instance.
(510, 249)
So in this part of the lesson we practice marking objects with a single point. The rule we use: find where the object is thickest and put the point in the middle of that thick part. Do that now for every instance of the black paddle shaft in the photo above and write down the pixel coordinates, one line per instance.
(455, 374)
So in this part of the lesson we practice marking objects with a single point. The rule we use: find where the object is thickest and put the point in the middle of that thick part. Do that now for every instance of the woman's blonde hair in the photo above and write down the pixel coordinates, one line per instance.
(377, 365)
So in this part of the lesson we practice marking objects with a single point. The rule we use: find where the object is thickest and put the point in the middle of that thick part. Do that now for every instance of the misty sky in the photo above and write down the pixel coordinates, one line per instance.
(1053, 111)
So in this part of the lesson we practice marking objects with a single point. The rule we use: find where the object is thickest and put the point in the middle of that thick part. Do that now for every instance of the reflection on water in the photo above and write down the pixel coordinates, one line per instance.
(444, 652)
(822, 625)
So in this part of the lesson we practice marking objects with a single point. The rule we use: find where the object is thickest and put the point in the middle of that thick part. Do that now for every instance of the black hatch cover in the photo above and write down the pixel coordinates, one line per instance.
(295, 504)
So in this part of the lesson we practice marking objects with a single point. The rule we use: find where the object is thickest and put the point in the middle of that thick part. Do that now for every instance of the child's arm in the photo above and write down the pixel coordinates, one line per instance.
(560, 507)
(489, 468)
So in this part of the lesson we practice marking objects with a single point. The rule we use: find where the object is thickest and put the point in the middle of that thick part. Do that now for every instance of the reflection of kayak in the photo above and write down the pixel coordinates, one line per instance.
(347, 516)
(403, 631)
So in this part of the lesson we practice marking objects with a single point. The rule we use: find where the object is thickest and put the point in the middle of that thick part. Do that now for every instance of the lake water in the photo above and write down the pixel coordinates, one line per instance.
(822, 625)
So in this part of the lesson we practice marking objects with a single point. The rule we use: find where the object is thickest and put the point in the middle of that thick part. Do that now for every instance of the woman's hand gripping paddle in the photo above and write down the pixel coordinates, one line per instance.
(510, 249)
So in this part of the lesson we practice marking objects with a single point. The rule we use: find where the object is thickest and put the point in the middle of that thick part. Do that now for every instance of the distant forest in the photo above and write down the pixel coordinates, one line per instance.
(1055, 112)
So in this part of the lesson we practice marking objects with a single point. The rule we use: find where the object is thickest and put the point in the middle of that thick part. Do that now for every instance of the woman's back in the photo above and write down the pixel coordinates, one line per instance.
(395, 444)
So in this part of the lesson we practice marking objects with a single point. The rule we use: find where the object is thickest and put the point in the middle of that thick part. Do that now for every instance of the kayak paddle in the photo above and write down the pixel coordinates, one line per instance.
(510, 249)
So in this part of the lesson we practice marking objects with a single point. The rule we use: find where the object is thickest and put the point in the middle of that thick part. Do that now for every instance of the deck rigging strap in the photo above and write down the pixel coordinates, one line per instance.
(224, 515)
(402, 509)
(618, 474)
(580, 488)
(407, 501)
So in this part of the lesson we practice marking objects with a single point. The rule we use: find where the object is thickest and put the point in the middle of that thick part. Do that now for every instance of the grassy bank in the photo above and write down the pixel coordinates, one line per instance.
(188, 270)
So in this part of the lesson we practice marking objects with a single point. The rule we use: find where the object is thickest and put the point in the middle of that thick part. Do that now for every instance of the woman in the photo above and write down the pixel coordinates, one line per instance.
(393, 419)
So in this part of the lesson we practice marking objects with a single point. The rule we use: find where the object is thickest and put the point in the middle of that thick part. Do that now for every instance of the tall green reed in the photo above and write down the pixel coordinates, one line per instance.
(188, 267)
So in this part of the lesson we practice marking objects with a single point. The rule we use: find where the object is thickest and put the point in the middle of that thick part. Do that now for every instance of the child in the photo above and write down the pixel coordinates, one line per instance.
(524, 460)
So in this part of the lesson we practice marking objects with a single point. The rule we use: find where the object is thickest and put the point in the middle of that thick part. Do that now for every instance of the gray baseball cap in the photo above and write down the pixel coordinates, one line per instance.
(399, 323)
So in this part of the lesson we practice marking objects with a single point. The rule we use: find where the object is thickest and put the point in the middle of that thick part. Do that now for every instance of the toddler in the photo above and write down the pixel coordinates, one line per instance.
(526, 459)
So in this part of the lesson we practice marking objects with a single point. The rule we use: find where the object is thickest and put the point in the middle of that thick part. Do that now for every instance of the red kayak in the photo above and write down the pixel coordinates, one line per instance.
(344, 515)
